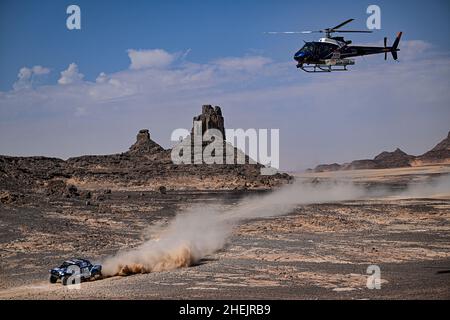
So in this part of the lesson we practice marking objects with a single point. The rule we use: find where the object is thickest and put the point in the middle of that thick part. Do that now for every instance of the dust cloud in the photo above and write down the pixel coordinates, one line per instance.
(202, 230)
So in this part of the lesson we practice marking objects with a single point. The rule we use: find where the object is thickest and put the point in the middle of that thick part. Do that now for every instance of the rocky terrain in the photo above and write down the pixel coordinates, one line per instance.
(316, 251)
(308, 245)
(146, 166)
(440, 154)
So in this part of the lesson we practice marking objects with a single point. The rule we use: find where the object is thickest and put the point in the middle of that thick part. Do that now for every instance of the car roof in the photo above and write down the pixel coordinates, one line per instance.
(78, 261)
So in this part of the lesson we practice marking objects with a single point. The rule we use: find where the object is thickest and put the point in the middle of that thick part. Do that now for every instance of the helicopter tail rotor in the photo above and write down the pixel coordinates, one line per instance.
(394, 48)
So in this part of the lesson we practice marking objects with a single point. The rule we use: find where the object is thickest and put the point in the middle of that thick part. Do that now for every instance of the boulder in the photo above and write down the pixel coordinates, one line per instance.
(162, 189)
(7, 197)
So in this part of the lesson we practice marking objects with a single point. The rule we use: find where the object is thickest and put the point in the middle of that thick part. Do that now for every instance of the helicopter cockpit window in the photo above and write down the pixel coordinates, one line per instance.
(308, 48)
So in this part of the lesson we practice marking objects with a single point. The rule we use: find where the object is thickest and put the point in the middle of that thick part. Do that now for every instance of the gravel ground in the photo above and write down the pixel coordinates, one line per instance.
(317, 251)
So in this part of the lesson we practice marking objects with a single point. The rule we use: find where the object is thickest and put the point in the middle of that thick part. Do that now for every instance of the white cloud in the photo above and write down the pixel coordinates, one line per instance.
(71, 75)
(155, 58)
(102, 78)
(26, 77)
(109, 88)
(40, 70)
(317, 115)
(412, 49)
(248, 63)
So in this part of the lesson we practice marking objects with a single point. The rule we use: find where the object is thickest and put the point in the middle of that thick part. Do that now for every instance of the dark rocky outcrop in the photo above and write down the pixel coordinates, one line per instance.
(211, 118)
(440, 154)
(395, 159)
(360, 164)
(24, 173)
(144, 145)
(327, 167)
(384, 160)
(145, 166)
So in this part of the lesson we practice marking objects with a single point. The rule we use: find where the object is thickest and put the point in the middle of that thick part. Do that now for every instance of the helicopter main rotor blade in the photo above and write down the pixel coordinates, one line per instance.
(342, 24)
(353, 31)
(289, 32)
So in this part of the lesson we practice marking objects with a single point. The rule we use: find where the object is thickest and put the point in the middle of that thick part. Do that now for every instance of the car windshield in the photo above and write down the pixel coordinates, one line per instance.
(65, 264)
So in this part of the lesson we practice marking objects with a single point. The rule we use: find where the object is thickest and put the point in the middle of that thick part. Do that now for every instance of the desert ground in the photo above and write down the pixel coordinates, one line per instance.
(316, 251)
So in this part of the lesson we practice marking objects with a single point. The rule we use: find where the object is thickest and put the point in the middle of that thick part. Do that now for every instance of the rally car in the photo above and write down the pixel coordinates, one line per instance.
(81, 268)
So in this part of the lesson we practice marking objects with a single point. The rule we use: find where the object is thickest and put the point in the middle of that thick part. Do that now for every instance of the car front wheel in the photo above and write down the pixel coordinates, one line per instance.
(96, 276)
(53, 279)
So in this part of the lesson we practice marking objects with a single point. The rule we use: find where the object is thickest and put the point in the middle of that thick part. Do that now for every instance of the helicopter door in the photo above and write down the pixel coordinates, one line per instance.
(336, 54)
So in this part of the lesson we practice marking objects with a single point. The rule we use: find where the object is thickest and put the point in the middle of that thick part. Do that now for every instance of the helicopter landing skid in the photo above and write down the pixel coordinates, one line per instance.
(322, 68)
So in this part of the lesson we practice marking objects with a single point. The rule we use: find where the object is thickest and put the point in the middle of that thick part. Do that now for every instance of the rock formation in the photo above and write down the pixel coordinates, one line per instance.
(394, 159)
(440, 154)
(211, 118)
(327, 167)
(144, 144)
(145, 166)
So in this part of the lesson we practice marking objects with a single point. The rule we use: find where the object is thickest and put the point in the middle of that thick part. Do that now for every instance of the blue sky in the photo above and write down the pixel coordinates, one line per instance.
(34, 32)
(215, 52)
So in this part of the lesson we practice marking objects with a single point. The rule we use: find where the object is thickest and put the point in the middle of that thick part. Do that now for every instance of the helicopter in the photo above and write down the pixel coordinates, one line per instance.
(332, 53)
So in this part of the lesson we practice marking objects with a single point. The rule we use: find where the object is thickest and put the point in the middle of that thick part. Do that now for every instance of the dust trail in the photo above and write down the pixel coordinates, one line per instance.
(436, 188)
(201, 231)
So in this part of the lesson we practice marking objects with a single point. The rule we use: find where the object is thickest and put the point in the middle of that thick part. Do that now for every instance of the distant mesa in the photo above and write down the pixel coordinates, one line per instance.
(327, 167)
(440, 154)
